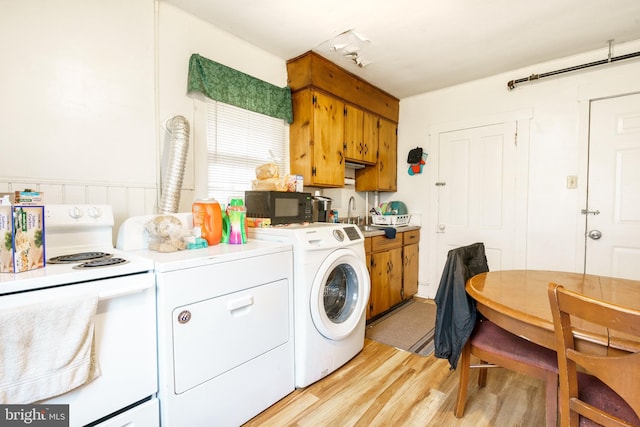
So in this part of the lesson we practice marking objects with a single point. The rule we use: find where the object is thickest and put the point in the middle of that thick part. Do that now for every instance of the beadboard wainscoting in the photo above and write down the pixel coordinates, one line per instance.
(126, 199)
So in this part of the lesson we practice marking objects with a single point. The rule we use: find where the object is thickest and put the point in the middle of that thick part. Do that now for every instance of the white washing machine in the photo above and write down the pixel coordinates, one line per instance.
(331, 289)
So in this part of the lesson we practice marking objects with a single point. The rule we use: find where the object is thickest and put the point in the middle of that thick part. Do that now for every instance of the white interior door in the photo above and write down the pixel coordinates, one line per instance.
(612, 238)
(477, 192)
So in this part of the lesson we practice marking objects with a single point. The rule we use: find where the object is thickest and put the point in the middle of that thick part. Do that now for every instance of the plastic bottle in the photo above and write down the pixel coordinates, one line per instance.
(226, 227)
(196, 241)
(237, 214)
(207, 215)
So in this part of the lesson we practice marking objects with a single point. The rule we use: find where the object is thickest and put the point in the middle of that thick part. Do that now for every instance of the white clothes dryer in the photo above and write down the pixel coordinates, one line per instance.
(331, 289)
(224, 327)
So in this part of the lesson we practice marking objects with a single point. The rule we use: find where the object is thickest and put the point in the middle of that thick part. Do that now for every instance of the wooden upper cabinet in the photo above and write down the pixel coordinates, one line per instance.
(350, 120)
(383, 175)
(387, 156)
(353, 140)
(313, 70)
(370, 138)
(360, 135)
(318, 132)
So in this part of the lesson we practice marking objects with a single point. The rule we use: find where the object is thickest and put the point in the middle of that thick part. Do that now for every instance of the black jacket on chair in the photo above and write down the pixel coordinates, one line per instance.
(456, 310)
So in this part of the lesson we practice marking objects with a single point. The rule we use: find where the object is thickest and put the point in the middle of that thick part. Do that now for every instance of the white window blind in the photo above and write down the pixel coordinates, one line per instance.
(238, 140)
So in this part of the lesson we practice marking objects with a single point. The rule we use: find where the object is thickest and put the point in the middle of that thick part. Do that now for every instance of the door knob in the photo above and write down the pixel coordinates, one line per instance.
(595, 234)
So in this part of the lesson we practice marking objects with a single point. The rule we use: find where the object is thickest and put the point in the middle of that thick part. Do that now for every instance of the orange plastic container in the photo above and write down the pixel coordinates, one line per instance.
(207, 214)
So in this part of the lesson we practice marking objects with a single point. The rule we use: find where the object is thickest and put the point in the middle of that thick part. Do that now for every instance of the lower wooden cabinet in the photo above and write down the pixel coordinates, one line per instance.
(393, 267)
(410, 240)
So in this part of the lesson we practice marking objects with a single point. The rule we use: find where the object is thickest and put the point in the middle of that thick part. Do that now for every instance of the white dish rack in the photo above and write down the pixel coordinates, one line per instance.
(392, 220)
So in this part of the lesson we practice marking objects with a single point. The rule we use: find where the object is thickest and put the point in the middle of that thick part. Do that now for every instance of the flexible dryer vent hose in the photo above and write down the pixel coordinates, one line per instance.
(178, 128)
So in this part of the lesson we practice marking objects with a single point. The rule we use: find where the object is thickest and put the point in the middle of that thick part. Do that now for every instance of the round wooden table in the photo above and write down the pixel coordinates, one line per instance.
(517, 301)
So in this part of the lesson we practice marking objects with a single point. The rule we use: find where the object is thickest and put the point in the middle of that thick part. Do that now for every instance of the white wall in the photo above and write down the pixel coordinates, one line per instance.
(76, 89)
(557, 148)
(87, 87)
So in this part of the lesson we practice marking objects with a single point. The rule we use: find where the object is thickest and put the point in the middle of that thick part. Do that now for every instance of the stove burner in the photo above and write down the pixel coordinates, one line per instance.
(102, 262)
(78, 257)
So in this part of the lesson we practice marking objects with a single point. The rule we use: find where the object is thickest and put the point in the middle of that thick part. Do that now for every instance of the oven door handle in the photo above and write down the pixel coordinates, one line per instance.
(129, 290)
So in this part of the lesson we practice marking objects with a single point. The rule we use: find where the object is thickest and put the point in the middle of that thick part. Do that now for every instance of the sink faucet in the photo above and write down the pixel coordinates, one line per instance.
(351, 200)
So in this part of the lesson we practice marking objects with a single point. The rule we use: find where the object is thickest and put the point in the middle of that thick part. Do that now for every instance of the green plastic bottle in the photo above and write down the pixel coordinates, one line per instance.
(237, 214)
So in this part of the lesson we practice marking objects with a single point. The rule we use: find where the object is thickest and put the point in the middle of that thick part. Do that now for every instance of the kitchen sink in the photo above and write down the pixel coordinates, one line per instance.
(368, 228)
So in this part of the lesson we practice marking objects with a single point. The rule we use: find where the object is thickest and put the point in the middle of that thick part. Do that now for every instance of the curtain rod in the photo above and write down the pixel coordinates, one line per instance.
(512, 83)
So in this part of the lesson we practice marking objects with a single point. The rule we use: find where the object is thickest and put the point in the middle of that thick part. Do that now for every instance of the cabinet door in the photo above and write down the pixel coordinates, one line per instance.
(379, 299)
(353, 137)
(387, 156)
(370, 138)
(316, 139)
(328, 134)
(410, 270)
(395, 277)
(369, 304)
(300, 135)
(367, 249)
(382, 175)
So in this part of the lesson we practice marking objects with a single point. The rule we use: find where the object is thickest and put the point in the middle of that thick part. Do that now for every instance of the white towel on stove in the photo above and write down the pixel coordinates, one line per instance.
(47, 349)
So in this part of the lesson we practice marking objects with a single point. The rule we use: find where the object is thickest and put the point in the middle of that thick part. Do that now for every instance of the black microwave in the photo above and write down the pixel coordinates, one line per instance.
(279, 207)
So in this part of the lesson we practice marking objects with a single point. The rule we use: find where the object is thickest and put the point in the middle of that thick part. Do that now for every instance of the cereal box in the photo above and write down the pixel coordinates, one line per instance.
(28, 197)
(21, 238)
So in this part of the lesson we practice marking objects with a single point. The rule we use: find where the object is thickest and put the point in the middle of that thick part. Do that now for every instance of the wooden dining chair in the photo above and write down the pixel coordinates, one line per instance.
(494, 346)
(498, 348)
(595, 389)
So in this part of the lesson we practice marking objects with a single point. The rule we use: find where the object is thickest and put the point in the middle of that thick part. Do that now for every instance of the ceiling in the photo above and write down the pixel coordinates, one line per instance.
(416, 46)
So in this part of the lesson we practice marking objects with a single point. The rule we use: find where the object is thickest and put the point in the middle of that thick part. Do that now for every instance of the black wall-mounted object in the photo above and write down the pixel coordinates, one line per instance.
(415, 155)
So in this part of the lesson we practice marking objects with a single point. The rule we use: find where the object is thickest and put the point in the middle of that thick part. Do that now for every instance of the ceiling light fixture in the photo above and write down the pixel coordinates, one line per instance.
(361, 62)
(350, 45)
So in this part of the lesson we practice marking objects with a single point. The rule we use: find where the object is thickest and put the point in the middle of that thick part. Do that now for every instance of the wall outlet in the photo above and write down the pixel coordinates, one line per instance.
(572, 181)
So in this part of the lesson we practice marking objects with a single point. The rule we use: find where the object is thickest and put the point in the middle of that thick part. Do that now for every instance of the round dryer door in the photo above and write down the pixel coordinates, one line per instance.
(339, 294)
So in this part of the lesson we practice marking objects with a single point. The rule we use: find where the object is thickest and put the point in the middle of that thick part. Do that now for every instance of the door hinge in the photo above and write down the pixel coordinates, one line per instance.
(314, 100)
(313, 171)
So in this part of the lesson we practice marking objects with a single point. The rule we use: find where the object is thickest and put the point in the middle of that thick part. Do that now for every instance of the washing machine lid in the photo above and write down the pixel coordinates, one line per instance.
(312, 237)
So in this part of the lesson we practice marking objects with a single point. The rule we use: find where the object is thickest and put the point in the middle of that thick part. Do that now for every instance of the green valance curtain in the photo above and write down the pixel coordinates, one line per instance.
(233, 87)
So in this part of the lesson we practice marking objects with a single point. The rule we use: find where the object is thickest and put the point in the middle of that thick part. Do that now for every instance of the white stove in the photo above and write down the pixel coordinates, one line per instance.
(124, 325)
(71, 230)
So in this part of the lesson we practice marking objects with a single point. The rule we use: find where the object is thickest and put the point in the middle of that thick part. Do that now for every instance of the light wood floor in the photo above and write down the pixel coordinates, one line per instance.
(385, 386)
